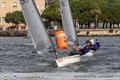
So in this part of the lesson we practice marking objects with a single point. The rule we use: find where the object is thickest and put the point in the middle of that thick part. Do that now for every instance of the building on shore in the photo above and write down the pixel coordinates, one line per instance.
(7, 6)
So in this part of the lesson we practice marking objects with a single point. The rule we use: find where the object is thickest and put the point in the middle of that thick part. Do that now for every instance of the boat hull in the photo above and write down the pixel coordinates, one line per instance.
(62, 62)
(90, 53)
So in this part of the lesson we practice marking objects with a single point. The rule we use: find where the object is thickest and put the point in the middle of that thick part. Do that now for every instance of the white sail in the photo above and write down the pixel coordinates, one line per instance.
(67, 20)
(38, 33)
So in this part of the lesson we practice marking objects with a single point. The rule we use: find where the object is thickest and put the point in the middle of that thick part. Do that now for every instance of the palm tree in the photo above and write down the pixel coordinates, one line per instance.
(95, 13)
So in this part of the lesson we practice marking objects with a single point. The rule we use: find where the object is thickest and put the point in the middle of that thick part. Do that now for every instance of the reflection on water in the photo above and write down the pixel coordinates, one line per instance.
(17, 57)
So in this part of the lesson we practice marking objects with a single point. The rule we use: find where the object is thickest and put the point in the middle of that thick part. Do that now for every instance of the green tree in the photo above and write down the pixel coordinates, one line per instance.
(96, 12)
(52, 13)
(87, 11)
(15, 18)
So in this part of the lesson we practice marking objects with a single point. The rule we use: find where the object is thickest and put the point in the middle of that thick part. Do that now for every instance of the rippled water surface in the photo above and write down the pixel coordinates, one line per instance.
(16, 57)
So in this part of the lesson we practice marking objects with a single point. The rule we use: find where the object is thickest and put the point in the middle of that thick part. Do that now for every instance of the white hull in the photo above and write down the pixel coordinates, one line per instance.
(62, 62)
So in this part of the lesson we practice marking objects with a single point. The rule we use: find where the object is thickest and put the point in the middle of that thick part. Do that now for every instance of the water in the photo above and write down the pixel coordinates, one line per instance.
(16, 57)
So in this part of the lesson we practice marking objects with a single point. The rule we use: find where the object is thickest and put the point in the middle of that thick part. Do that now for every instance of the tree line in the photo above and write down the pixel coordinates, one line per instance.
(88, 13)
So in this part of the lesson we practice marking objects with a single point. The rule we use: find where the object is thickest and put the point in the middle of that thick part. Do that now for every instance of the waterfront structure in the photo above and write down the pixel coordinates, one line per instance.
(7, 6)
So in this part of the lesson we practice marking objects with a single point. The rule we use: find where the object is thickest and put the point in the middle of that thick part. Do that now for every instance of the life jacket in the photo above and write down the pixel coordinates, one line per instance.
(85, 49)
(96, 45)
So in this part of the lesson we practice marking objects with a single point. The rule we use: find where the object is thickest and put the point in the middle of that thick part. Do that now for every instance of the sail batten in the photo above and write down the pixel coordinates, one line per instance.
(38, 33)
(67, 20)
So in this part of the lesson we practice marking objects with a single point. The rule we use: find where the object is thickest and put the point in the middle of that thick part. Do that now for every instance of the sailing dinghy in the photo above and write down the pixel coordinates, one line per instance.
(39, 36)
(70, 33)
(69, 29)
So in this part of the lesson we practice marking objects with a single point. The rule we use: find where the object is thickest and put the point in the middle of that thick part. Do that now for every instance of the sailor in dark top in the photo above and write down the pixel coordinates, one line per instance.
(85, 48)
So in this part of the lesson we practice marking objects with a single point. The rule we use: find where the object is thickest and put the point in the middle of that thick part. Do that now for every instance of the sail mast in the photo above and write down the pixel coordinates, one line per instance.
(67, 21)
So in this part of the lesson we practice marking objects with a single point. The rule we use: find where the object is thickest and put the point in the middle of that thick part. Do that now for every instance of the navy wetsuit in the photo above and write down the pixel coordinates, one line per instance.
(86, 49)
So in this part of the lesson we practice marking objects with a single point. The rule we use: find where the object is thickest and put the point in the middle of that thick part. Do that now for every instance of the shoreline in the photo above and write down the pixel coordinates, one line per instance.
(79, 32)
(98, 32)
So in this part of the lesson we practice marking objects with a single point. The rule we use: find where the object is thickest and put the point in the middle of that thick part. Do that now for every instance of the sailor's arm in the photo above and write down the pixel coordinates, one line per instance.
(76, 47)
